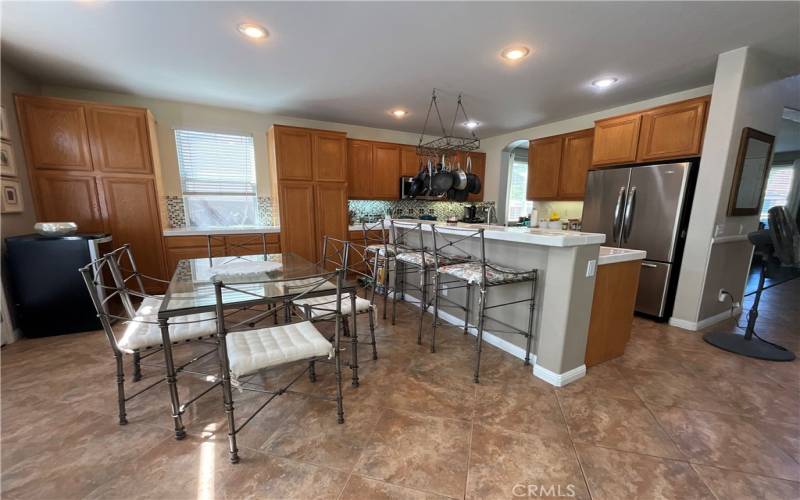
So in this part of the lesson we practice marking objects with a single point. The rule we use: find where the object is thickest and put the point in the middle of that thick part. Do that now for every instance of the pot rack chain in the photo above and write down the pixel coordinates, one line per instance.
(446, 143)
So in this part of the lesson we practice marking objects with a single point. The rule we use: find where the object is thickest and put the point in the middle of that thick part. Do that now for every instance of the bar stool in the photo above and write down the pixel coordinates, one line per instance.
(376, 244)
(481, 274)
(412, 257)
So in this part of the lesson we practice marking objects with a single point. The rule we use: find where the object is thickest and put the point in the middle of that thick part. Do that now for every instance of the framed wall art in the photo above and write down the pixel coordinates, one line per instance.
(11, 201)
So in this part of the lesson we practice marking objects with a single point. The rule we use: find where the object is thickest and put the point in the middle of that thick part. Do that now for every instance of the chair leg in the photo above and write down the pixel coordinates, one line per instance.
(180, 431)
(354, 341)
(227, 398)
(123, 418)
(137, 366)
(423, 306)
(397, 276)
(338, 364)
(345, 329)
(529, 340)
(312, 372)
(386, 269)
(435, 280)
(372, 334)
(481, 310)
(467, 305)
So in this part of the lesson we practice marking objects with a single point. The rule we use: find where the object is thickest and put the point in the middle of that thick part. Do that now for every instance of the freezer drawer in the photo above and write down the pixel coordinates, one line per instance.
(653, 284)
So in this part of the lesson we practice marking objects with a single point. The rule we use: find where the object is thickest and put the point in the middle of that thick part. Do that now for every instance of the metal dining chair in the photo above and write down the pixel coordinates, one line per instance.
(377, 246)
(245, 351)
(142, 336)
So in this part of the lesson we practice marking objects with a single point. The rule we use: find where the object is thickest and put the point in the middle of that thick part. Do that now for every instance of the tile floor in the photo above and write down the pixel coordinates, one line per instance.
(673, 418)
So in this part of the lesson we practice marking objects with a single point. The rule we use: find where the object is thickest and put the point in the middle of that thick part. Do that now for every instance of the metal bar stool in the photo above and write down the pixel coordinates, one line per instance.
(383, 257)
(479, 273)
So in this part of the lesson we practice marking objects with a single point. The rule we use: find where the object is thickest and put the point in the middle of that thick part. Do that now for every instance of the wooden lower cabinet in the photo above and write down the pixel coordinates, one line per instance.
(133, 215)
(298, 228)
(195, 247)
(252, 244)
(612, 311)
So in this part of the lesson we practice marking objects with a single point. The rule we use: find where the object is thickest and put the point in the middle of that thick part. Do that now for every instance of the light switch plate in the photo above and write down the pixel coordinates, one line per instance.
(591, 268)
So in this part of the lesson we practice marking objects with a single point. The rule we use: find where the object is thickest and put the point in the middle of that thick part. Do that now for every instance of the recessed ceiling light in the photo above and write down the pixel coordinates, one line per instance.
(471, 124)
(252, 30)
(399, 113)
(604, 82)
(515, 53)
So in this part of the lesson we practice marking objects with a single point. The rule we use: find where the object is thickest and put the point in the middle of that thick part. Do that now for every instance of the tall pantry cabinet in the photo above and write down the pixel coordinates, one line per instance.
(309, 179)
(96, 165)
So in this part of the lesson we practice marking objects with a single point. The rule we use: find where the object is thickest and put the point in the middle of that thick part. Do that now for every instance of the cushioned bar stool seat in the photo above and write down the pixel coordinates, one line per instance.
(381, 249)
(472, 273)
(416, 258)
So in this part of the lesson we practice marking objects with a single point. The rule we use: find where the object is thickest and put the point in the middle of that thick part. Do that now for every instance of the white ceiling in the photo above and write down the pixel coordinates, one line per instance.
(351, 62)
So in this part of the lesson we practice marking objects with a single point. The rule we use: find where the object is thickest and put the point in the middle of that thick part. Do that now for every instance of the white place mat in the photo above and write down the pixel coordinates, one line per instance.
(242, 270)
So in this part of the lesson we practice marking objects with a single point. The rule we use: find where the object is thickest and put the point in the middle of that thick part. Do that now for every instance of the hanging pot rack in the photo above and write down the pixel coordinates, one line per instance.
(446, 144)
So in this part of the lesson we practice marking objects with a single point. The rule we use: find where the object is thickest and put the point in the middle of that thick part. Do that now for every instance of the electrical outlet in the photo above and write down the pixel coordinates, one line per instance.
(591, 268)
(719, 229)
(721, 295)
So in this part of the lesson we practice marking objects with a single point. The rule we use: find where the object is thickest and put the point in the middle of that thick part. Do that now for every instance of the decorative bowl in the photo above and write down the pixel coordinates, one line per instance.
(55, 228)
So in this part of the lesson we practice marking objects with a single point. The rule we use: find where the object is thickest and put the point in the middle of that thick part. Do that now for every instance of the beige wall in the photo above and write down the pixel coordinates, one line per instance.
(171, 115)
(748, 91)
(12, 82)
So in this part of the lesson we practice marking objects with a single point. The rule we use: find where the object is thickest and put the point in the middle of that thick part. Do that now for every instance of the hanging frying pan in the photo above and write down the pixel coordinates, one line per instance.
(442, 181)
(459, 178)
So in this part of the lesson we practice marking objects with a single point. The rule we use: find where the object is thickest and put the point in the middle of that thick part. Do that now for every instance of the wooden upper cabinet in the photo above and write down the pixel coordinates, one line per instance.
(330, 199)
(386, 171)
(119, 139)
(298, 215)
(65, 197)
(132, 208)
(616, 140)
(673, 131)
(293, 151)
(330, 156)
(359, 171)
(410, 161)
(576, 159)
(478, 168)
(544, 164)
(55, 133)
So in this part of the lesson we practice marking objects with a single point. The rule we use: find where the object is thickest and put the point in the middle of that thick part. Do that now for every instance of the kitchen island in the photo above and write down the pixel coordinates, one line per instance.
(567, 264)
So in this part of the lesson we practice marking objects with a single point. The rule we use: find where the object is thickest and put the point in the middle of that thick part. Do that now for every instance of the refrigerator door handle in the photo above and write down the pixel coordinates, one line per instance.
(629, 209)
(618, 214)
(651, 266)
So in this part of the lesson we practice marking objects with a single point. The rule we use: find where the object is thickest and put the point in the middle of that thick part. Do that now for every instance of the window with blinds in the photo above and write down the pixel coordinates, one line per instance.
(218, 178)
(779, 186)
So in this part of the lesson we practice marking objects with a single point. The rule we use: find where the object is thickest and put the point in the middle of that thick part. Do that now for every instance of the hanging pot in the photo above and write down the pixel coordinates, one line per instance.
(442, 181)
(471, 178)
(459, 178)
(461, 195)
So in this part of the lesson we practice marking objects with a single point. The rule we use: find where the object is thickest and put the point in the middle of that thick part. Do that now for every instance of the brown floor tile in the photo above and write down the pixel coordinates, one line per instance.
(362, 488)
(615, 475)
(605, 381)
(417, 451)
(509, 408)
(616, 423)
(740, 486)
(725, 441)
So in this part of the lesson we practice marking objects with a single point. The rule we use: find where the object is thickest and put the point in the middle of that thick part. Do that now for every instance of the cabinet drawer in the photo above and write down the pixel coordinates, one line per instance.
(192, 241)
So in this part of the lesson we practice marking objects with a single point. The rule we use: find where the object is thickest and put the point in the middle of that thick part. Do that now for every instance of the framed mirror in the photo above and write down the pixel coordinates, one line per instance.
(750, 176)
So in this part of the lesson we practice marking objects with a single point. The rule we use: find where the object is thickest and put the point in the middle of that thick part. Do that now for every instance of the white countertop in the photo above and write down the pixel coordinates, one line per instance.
(205, 231)
(611, 255)
(533, 236)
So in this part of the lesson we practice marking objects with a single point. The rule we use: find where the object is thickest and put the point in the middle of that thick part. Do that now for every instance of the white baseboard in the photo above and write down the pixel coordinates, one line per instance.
(551, 377)
(703, 323)
(559, 379)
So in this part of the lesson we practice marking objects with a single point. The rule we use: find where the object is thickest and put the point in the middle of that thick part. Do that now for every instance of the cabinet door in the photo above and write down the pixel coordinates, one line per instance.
(576, 158)
(479, 169)
(298, 229)
(119, 140)
(330, 156)
(359, 171)
(544, 164)
(615, 140)
(410, 161)
(293, 153)
(132, 210)
(386, 171)
(331, 211)
(175, 255)
(673, 131)
(64, 197)
(55, 133)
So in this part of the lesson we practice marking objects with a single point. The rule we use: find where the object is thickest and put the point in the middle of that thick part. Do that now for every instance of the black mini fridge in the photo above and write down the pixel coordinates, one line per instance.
(47, 293)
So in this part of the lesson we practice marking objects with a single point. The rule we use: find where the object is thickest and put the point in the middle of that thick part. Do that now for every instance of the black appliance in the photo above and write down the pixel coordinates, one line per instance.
(47, 293)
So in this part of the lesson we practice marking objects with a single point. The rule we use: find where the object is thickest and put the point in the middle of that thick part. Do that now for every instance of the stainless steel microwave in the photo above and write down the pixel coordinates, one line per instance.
(405, 188)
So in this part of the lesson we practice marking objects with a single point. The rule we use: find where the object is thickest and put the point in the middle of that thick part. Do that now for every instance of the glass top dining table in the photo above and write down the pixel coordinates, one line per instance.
(191, 289)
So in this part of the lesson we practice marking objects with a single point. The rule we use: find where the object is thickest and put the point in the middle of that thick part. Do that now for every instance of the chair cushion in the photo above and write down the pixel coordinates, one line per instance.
(377, 247)
(142, 331)
(471, 272)
(253, 350)
(326, 305)
(415, 258)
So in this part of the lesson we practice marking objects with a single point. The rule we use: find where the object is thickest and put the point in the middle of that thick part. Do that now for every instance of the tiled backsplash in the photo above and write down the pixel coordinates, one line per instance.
(266, 214)
(360, 209)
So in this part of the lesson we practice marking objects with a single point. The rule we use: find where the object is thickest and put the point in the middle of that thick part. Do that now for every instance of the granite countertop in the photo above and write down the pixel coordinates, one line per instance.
(204, 231)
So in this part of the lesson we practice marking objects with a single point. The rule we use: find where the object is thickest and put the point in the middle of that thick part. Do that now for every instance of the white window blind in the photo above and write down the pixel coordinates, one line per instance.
(216, 164)
(779, 185)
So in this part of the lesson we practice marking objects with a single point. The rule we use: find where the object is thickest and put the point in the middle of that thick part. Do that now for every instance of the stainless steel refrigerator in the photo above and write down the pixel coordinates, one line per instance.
(643, 208)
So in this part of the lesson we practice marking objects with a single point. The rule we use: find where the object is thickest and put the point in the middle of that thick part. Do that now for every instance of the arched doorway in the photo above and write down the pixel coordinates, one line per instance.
(511, 202)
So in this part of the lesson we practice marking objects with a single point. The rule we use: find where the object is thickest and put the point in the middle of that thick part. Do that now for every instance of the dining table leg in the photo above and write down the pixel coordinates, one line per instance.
(354, 339)
(172, 384)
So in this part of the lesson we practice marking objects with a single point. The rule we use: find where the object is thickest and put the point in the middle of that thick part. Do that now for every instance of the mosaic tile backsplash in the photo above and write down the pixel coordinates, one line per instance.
(266, 214)
(370, 209)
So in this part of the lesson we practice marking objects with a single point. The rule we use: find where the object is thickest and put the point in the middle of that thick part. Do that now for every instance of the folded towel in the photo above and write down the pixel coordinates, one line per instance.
(243, 270)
